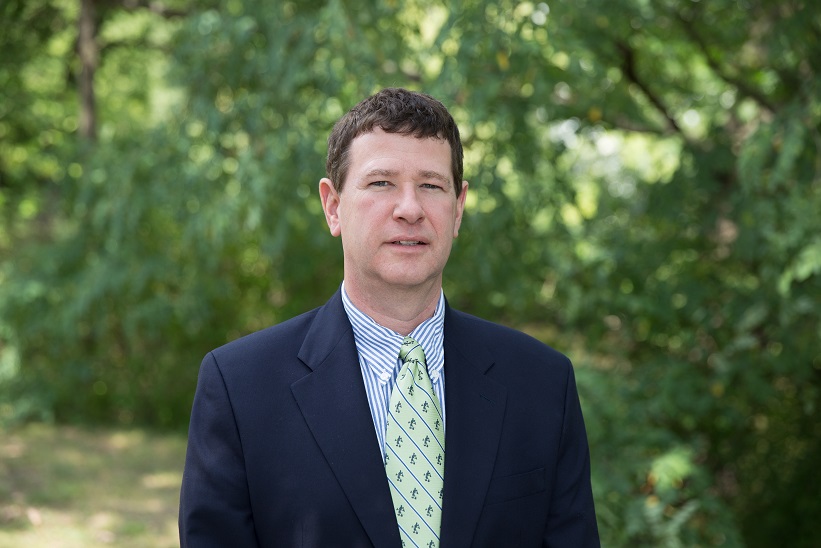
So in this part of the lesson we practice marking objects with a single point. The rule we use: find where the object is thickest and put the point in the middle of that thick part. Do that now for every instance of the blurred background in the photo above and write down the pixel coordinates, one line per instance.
(645, 196)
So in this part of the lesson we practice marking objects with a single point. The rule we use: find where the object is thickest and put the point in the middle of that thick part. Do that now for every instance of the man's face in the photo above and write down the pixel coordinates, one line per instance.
(397, 211)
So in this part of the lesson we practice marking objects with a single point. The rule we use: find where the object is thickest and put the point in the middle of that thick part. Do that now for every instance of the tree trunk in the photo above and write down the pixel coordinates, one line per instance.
(89, 56)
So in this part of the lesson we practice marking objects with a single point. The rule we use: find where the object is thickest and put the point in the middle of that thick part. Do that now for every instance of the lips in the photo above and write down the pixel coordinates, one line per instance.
(407, 240)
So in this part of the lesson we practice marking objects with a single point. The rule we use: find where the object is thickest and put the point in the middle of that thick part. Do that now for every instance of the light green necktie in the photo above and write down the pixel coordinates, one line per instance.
(415, 451)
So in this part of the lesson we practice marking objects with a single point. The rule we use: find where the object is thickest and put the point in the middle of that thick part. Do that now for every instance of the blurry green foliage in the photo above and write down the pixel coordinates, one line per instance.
(644, 179)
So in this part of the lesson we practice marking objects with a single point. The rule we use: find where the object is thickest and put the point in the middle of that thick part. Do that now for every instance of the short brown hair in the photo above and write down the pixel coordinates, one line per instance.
(394, 110)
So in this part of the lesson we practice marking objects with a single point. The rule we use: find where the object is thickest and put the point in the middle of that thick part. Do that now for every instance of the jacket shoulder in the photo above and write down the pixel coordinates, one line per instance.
(283, 338)
(505, 344)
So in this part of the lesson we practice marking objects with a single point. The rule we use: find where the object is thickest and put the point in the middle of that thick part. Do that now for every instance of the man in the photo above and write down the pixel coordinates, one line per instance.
(386, 418)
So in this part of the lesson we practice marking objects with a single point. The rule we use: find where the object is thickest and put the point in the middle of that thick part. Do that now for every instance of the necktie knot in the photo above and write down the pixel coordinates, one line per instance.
(411, 350)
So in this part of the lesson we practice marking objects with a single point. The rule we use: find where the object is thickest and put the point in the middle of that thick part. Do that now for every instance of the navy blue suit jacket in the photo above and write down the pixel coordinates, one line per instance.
(282, 449)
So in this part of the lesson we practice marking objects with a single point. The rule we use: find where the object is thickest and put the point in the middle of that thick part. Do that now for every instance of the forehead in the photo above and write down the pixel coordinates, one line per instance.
(378, 149)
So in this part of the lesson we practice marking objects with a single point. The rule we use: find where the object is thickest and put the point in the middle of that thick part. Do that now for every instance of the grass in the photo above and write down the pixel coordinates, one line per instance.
(66, 487)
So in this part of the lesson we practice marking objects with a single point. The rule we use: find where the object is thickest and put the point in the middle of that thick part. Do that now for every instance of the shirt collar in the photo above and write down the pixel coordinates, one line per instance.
(379, 345)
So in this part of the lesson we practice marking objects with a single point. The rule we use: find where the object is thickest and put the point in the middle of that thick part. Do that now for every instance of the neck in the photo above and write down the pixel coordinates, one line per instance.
(401, 310)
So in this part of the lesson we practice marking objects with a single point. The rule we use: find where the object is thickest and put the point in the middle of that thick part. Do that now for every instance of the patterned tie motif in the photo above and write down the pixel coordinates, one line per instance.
(415, 451)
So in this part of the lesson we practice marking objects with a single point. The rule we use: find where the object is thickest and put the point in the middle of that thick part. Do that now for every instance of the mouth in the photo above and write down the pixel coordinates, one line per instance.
(408, 242)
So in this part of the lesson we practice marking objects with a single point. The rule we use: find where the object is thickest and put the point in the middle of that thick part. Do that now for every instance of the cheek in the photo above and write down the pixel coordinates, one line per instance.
(361, 208)
(372, 217)
(446, 221)
(362, 223)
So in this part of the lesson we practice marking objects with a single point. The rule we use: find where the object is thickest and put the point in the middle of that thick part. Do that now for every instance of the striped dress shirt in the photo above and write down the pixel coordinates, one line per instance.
(378, 349)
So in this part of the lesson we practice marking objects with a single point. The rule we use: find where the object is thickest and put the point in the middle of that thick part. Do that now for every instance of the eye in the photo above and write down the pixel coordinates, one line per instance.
(431, 186)
(379, 184)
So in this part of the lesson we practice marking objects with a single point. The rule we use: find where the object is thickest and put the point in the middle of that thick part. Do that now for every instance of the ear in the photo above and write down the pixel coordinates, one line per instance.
(330, 205)
(460, 208)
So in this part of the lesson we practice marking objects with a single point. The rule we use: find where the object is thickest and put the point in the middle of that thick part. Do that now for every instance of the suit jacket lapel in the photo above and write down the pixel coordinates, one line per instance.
(333, 401)
(475, 407)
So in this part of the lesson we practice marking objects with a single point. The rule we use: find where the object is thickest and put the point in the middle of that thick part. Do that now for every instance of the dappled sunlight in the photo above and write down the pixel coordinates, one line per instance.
(163, 480)
(124, 440)
(70, 487)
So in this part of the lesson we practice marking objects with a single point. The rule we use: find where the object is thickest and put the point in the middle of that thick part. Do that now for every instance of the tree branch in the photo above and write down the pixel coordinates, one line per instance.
(624, 123)
(714, 64)
(155, 7)
(628, 67)
(140, 43)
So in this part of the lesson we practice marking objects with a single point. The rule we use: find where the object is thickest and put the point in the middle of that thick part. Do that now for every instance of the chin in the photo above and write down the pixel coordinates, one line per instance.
(405, 280)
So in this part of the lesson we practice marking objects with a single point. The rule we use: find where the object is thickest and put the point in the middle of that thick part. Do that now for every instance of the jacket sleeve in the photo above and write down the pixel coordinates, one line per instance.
(215, 507)
(572, 517)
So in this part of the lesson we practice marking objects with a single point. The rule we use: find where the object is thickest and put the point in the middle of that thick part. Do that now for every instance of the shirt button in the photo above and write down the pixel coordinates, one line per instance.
(384, 376)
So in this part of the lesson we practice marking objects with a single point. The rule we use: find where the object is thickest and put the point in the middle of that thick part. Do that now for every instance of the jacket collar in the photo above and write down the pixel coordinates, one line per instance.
(333, 401)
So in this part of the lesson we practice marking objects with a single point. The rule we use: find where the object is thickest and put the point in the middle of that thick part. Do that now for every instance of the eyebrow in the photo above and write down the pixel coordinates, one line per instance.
(423, 174)
(381, 173)
(434, 175)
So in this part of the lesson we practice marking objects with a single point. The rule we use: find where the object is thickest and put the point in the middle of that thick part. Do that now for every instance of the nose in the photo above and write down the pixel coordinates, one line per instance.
(408, 206)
